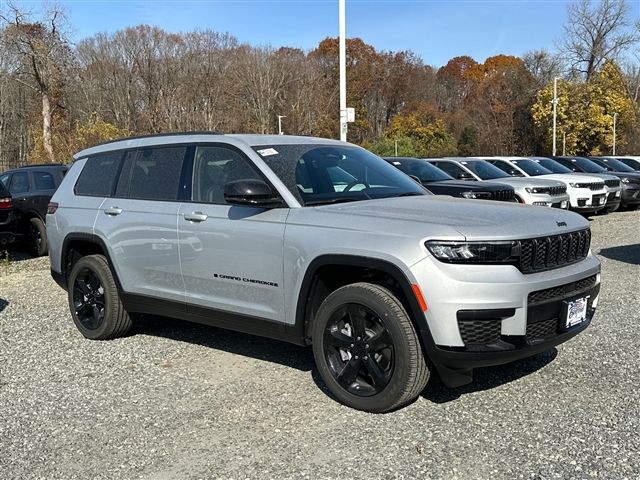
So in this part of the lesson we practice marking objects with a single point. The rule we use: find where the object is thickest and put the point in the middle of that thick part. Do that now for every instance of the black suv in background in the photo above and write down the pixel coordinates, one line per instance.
(441, 183)
(629, 179)
(7, 220)
(31, 188)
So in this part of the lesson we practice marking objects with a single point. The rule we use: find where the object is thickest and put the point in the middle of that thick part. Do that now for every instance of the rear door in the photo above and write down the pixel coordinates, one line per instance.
(138, 223)
(231, 256)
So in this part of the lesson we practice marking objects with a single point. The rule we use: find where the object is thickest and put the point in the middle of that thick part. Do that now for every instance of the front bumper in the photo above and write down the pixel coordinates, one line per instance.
(502, 301)
(589, 201)
(630, 194)
(543, 200)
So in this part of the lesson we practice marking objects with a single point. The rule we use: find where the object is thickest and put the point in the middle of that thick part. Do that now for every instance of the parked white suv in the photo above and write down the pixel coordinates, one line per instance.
(587, 194)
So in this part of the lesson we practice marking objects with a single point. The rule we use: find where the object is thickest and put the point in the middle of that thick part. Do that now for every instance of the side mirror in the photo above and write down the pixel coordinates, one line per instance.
(415, 179)
(465, 176)
(515, 173)
(251, 193)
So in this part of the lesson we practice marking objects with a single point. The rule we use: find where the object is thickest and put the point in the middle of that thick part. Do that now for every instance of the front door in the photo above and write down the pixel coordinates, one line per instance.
(231, 256)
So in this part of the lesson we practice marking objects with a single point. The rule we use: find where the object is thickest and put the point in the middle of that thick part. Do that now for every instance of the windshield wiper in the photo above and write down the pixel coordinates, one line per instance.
(407, 194)
(328, 201)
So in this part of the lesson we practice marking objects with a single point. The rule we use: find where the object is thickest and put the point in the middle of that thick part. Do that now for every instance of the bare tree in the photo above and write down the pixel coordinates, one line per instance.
(595, 33)
(41, 50)
(543, 66)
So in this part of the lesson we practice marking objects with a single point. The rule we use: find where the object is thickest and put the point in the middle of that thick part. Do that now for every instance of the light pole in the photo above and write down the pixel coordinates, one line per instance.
(615, 116)
(564, 143)
(555, 104)
(343, 69)
(280, 117)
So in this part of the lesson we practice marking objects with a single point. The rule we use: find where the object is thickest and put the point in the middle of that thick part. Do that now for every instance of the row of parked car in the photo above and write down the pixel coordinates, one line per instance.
(582, 184)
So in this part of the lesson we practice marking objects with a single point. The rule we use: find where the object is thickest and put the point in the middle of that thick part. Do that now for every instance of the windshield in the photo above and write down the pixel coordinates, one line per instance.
(484, 170)
(424, 171)
(587, 165)
(531, 168)
(318, 174)
(553, 166)
(617, 165)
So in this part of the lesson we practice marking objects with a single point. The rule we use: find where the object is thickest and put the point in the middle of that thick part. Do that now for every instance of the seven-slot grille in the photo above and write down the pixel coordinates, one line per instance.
(594, 186)
(555, 251)
(502, 195)
(612, 183)
(557, 190)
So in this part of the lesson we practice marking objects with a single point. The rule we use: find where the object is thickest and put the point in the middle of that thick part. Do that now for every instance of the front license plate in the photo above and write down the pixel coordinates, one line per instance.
(576, 311)
(563, 204)
(602, 200)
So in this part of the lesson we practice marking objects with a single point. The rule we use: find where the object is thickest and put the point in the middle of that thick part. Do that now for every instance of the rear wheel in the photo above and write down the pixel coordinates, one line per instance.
(37, 237)
(94, 300)
(367, 350)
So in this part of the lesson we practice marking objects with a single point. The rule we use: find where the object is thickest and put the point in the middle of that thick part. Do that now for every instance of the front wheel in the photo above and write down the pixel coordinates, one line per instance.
(366, 349)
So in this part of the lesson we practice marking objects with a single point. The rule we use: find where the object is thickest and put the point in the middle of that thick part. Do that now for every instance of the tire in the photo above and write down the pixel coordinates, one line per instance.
(94, 301)
(37, 237)
(401, 372)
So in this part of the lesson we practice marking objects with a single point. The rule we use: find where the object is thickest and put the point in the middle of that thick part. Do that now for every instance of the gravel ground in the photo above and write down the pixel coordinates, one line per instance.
(176, 400)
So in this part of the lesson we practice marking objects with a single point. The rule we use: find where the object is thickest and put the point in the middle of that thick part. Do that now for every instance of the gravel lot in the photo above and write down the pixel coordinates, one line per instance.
(176, 400)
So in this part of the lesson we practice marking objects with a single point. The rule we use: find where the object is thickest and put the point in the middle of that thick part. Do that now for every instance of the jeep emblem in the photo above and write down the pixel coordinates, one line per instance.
(561, 224)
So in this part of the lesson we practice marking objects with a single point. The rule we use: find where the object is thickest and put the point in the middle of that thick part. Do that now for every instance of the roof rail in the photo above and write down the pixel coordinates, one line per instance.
(170, 134)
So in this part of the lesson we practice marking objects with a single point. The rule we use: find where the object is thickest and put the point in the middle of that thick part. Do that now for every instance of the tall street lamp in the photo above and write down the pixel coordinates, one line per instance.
(343, 69)
(555, 104)
(615, 117)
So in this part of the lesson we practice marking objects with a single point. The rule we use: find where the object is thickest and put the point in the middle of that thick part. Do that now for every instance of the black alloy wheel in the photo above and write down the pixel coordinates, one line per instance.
(359, 350)
(88, 299)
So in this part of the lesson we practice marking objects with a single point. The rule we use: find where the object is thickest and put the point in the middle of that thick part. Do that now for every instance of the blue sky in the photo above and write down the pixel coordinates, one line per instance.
(435, 30)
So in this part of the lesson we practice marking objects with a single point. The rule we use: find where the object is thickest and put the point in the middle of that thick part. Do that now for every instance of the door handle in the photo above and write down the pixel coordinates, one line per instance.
(196, 216)
(113, 211)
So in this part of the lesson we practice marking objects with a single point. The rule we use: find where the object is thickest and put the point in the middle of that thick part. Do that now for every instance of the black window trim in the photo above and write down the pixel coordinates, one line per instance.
(90, 159)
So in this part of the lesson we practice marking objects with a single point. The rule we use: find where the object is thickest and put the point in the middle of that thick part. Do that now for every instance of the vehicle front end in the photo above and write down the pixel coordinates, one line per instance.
(540, 193)
(630, 196)
(494, 301)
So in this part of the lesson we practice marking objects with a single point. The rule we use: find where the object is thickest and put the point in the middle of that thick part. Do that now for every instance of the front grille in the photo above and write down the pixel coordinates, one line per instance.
(545, 253)
(595, 186)
(503, 195)
(479, 332)
(612, 183)
(557, 190)
(562, 291)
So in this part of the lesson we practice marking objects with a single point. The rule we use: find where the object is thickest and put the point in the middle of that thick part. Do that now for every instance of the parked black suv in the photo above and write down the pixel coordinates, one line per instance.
(7, 220)
(31, 188)
(441, 183)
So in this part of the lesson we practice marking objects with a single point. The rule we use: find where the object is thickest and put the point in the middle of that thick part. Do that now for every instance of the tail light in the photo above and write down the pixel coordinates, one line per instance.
(52, 207)
(6, 203)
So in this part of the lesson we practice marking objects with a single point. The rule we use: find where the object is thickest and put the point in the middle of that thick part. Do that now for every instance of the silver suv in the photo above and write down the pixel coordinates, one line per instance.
(320, 242)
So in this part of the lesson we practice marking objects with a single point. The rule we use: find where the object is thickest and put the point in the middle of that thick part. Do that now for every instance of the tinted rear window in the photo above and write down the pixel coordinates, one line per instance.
(99, 174)
(44, 181)
(3, 191)
(155, 173)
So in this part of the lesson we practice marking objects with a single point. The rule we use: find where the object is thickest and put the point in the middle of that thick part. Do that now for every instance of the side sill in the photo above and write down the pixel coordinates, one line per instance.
(211, 317)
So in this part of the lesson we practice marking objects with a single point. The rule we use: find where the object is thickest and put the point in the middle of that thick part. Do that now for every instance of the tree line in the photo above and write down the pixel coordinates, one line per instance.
(57, 97)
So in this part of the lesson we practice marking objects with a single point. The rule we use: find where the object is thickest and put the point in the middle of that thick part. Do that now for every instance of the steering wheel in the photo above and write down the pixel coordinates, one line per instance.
(354, 183)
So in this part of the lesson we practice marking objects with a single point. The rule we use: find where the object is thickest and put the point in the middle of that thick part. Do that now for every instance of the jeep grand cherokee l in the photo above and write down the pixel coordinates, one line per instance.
(32, 187)
(255, 233)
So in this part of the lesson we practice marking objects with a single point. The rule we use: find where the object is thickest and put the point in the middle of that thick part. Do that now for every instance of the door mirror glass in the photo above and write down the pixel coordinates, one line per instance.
(515, 173)
(465, 176)
(252, 193)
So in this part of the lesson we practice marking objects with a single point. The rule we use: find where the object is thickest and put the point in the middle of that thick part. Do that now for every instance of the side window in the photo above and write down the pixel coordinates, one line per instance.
(99, 175)
(155, 173)
(213, 167)
(43, 181)
(451, 168)
(5, 179)
(19, 183)
(504, 166)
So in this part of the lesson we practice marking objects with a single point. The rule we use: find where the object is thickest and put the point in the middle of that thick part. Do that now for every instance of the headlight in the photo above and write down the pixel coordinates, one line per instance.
(476, 194)
(537, 189)
(473, 252)
(624, 180)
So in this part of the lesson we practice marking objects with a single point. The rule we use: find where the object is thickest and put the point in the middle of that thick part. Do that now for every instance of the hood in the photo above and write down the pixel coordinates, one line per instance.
(432, 217)
(521, 182)
(468, 185)
(572, 177)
